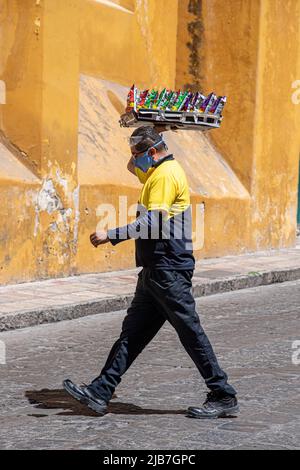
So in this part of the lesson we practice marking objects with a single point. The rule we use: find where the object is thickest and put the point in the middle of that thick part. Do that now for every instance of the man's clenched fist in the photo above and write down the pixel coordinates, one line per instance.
(99, 238)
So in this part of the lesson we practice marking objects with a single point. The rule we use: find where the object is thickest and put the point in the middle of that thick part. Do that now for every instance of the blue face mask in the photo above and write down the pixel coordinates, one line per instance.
(146, 161)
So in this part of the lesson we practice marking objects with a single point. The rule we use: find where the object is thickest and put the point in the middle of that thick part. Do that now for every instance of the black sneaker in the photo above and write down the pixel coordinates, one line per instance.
(86, 397)
(215, 406)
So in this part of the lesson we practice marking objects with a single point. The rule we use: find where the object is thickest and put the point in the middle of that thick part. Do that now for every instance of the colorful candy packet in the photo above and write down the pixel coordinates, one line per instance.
(160, 99)
(180, 101)
(152, 96)
(187, 101)
(207, 103)
(218, 105)
(142, 99)
(131, 98)
(167, 103)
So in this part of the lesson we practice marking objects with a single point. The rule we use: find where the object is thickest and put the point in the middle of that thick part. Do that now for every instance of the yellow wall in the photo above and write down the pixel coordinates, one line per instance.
(66, 66)
(21, 69)
(277, 126)
(126, 47)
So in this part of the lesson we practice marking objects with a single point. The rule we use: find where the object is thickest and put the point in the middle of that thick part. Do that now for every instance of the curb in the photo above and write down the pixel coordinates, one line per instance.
(23, 319)
(220, 286)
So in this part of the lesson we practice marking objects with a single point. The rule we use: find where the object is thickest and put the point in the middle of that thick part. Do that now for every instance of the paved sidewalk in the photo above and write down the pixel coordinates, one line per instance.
(29, 304)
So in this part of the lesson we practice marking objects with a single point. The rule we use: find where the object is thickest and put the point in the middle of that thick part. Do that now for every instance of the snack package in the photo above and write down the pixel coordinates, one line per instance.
(180, 101)
(166, 101)
(131, 98)
(207, 103)
(174, 100)
(160, 99)
(218, 106)
(152, 96)
(187, 101)
(142, 99)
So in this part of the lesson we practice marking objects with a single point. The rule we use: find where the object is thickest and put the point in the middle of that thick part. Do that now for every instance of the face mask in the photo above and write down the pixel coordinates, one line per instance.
(146, 161)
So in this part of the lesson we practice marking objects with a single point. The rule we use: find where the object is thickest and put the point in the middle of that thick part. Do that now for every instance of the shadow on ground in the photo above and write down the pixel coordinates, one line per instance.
(59, 399)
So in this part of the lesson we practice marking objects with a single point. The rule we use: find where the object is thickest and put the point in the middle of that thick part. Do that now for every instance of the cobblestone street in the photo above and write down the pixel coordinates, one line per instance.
(252, 332)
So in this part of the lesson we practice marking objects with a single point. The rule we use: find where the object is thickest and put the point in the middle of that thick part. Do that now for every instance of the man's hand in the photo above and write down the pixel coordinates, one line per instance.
(99, 238)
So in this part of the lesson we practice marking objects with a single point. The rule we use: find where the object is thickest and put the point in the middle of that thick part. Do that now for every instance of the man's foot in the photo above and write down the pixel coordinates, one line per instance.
(215, 406)
(86, 397)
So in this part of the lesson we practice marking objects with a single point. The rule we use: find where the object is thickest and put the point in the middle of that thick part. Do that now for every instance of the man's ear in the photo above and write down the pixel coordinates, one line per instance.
(152, 151)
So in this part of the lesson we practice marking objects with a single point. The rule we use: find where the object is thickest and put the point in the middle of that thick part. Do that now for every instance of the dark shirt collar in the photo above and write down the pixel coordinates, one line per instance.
(167, 157)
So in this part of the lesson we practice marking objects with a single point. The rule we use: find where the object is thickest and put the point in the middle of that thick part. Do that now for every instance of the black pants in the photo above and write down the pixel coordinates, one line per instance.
(161, 295)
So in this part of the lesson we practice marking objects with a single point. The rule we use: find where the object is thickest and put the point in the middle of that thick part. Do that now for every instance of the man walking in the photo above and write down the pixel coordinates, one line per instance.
(162, 233)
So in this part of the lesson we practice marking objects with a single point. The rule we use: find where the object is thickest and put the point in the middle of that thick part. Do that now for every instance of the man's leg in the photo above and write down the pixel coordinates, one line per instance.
(142, 322)
(172, 289)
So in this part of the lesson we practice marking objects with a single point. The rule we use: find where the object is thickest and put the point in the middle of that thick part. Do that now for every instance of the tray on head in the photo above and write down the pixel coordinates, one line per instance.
(177, 110)
(179, 120)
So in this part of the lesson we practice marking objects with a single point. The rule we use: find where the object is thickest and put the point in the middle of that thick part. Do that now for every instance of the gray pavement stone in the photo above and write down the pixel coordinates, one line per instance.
(252, 331)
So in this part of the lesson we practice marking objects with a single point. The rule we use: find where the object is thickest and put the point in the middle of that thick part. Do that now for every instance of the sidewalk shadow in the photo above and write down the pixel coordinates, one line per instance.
(59, 399)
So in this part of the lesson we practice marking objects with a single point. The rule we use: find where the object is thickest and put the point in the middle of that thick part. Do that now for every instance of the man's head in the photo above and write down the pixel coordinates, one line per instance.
(147, 139)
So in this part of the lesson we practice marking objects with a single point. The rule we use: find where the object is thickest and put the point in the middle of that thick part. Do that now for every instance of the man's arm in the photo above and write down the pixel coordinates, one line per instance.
(141, 227)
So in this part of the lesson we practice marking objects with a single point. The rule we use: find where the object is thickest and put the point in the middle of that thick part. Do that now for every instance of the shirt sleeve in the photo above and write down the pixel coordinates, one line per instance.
(139, 228)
